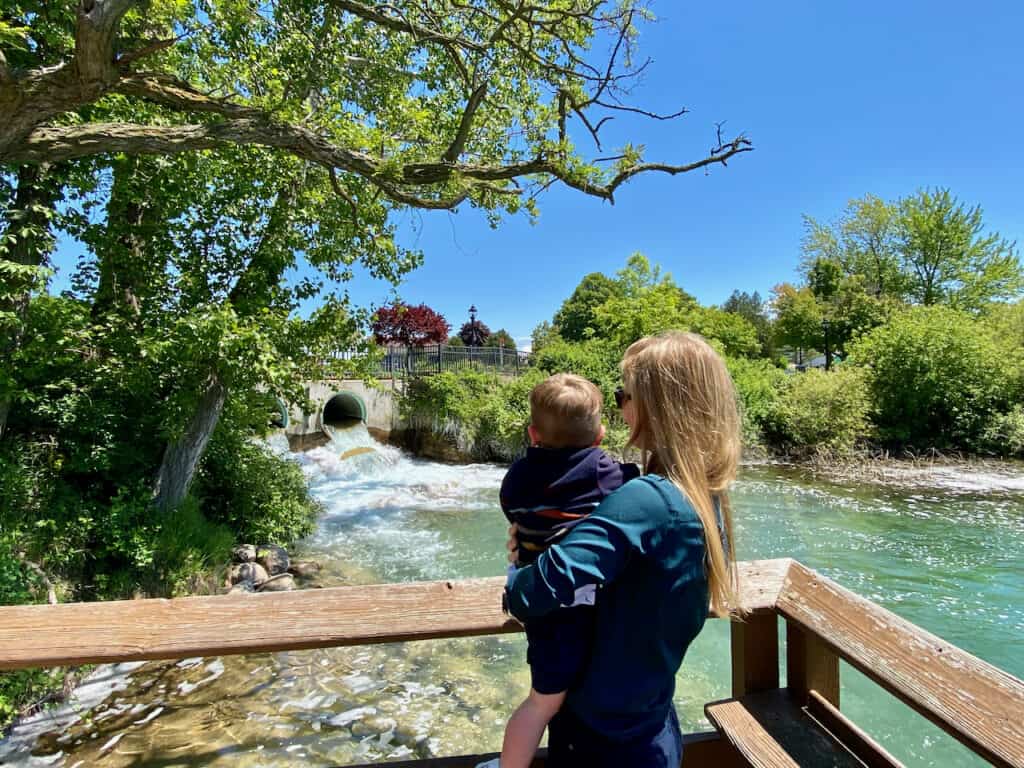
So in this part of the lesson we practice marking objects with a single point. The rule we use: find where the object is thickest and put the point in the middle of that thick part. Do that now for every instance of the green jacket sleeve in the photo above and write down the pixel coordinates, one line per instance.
(594, 552)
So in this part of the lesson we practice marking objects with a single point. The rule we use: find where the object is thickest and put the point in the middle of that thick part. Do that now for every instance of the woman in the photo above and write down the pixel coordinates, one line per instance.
(659, 549)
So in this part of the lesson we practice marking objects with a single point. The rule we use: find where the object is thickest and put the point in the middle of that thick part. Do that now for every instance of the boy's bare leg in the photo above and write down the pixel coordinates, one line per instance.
(526, 727)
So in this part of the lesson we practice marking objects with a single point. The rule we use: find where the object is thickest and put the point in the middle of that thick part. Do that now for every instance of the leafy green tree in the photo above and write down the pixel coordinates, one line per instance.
(752, 308)
(937, 375)
(575, 318)
(736, 334)
(798, 317)
(545, 333)
(949, 259)
(864, 241)
(501, 338)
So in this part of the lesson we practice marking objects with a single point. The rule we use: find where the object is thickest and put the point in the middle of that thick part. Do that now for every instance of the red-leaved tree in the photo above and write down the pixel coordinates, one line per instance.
(412, 326)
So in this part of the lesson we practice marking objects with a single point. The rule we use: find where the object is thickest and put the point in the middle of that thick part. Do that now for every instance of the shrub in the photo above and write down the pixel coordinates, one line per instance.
(937, 376)
(261, 497)
(1004, 433)
(759, 385)
(822, 412)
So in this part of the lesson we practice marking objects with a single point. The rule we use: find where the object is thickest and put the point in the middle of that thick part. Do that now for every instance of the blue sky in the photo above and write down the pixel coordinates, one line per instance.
(840, 99)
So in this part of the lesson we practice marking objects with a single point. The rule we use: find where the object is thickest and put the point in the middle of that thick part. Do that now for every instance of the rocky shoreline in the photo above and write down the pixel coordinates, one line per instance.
(267, 568)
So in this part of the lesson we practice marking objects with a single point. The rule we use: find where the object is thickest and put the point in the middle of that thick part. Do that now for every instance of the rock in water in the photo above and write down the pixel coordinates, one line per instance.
(304, 569)
(242, 587)
(283, 582)
(273, 558)
(244, 553)
(253, 572)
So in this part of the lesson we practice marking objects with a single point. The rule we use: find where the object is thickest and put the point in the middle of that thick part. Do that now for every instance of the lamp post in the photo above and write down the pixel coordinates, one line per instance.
(475, 337)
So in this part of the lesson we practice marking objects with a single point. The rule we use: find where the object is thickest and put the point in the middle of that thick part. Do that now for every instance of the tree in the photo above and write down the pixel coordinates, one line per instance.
(501, 338)
(432, 109)
(798, 317)
(474, 333)
(736, 334)
(752, 308)
(863, 241)
(947, 257)
(575, 318)
(544, 334)
(412, 326)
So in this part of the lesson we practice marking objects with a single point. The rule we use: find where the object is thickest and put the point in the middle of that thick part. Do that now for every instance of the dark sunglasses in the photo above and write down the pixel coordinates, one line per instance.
(621, 397)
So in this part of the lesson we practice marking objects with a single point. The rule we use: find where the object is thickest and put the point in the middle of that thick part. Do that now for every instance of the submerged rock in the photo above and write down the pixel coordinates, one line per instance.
(242, 587)
(282, 582)
(304, 569)
(273, 558)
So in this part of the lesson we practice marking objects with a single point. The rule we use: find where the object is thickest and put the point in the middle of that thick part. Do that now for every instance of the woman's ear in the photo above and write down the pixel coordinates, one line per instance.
(534, 435)
(600, 436)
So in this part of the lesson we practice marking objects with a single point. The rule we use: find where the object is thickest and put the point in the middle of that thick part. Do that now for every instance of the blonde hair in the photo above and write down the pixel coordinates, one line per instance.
(688, 428)
(566, 411)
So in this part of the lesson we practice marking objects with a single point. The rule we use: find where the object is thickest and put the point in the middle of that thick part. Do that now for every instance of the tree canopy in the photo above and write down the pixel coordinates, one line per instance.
(412, 326)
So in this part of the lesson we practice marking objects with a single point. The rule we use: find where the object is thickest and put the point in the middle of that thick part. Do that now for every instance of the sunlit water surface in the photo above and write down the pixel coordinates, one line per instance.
(947, 558)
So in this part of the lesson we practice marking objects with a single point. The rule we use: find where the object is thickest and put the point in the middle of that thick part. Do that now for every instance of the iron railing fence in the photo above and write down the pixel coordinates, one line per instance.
(401, 362)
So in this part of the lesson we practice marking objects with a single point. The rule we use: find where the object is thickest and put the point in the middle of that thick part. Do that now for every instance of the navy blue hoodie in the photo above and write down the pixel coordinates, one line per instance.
(551, 489)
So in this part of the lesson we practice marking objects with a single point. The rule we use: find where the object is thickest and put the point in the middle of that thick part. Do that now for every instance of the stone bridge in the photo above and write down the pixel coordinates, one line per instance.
(337, 402)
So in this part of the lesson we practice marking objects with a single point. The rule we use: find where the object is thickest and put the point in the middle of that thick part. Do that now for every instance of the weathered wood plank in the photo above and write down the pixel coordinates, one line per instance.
(811, 665)
(700, 750)
(771, 730)
(755, 653)
(977, 703)
(869, 751)
(127, 630)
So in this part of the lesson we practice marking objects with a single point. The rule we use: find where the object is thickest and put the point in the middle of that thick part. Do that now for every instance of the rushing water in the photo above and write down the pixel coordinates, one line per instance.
(947, 558)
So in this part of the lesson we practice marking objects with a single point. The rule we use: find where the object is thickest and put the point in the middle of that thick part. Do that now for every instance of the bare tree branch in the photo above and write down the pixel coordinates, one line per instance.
(420, 33)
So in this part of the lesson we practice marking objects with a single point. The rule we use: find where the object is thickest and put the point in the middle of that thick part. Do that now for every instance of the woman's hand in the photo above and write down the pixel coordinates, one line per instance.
(513, 544)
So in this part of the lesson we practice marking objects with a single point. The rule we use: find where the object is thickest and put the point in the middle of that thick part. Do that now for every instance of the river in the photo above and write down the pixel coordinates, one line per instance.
(946, 556)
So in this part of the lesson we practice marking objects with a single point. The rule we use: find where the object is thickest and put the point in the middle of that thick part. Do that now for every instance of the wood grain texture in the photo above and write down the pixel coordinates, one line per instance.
(132, 630)
(700, 750)
(811, 665)
(977, 703)
(771, 730)
(755, 653)
(869, 751)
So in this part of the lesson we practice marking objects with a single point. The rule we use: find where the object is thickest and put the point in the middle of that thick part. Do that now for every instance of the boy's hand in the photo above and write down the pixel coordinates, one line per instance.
(513, 544)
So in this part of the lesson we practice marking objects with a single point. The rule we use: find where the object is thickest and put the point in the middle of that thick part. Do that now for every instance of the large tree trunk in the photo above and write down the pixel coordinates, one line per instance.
(182, 456)
(38, 190)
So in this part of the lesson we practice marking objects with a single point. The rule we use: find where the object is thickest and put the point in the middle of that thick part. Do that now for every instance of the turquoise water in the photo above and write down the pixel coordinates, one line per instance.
(946, 558)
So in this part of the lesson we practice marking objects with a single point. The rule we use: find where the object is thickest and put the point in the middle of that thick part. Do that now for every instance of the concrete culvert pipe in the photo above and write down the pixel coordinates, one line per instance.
(279, 419)
(344, 409)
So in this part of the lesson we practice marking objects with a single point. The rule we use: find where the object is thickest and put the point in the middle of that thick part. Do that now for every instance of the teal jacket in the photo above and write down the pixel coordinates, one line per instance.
(644, 548)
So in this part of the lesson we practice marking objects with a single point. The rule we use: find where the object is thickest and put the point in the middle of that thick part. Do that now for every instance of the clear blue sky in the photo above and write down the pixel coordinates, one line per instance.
(840, 98)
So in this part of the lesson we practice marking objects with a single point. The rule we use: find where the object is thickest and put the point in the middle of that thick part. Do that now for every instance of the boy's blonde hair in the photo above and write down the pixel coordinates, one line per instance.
(565, 409)
(688, 427)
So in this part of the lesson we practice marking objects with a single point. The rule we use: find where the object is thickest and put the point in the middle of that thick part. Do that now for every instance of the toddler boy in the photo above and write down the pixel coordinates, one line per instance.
(562, 479)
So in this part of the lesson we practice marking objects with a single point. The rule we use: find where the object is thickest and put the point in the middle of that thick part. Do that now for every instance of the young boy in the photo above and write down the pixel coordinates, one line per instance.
(562, 479)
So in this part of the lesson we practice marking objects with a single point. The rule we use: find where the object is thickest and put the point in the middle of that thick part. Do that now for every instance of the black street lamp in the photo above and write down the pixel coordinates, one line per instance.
(476, 337)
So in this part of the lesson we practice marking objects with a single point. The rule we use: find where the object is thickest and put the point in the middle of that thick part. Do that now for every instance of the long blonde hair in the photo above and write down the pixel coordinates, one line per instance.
(688, 427)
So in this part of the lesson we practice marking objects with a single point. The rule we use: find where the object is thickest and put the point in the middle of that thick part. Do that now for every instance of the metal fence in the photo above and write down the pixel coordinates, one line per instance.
(400, 362)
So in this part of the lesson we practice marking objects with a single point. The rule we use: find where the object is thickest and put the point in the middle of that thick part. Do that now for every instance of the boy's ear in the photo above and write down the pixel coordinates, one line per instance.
(600, 436)
(534, 435)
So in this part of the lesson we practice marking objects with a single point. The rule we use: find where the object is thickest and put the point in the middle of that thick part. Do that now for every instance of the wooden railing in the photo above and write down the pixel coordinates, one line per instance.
(977, 703)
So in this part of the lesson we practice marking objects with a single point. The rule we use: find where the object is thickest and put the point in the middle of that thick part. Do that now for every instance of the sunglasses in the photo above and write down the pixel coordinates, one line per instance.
(622, 397)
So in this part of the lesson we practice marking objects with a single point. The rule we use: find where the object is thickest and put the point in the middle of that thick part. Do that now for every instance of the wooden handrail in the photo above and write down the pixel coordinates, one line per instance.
(977, 703)
(134, 630)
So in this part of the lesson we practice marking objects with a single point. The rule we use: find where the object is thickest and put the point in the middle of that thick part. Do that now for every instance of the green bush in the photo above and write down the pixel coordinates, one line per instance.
(937, 377)
(822, 412)
(259, 496)
(1004, 433)
(759, 385)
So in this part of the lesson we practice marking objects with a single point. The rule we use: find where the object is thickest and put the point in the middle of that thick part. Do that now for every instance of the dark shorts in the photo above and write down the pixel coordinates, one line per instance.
(572, 744)
(558, 648)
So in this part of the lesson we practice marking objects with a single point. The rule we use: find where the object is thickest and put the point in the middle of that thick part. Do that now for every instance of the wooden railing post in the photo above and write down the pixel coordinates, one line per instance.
(811, 665)
(755, 653)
